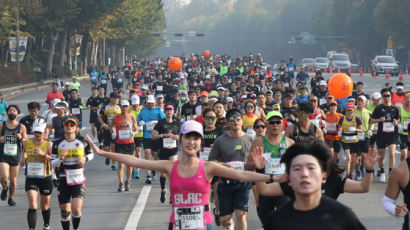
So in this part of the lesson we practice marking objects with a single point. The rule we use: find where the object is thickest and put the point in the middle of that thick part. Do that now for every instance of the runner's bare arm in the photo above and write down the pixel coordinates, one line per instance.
(215, 169)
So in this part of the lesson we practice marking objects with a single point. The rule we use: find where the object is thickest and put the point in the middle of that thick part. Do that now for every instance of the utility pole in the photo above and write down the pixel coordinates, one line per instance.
(18, 43)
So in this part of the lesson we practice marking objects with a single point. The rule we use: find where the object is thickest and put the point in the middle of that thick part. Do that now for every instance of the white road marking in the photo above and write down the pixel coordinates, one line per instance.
(136, 213)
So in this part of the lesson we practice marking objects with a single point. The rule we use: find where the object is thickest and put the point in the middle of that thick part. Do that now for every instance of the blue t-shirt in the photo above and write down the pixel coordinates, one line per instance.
(94, 77)
(300, 99)
(104, 78)
(3, 107)
(150, 117)
(302, 76)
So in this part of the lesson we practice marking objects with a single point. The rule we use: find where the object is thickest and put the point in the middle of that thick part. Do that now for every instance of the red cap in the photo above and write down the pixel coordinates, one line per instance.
(349, 106)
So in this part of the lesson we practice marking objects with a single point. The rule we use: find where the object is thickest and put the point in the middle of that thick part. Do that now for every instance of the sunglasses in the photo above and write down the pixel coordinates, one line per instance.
(259, 126)
(249, 107)
(275, 122)
(235, 118)
(386, 95)
(207, 118)
(70, 124)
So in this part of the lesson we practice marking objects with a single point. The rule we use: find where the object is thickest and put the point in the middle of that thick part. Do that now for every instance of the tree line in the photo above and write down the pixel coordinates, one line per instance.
(110, 30)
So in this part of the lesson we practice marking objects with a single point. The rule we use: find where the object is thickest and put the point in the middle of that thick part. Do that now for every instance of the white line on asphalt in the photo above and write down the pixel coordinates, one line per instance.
(138, 209)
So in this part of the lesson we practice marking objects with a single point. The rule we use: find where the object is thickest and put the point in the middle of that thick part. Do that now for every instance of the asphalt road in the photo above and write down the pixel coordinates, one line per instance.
(105, 208)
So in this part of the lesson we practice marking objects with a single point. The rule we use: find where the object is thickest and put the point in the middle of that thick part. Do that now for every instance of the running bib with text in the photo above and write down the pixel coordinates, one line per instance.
(204, 155)
(124, 134)
(76, 111)
(331, 126)
(189, 218)
(169, 143)
(10, 149)
(388, 127)
(35, 169)
(238, 165)
(361, 136)
(150, 125)
(75, 176)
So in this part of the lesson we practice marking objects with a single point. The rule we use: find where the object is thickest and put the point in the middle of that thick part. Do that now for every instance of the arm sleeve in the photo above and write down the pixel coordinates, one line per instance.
(88, 152)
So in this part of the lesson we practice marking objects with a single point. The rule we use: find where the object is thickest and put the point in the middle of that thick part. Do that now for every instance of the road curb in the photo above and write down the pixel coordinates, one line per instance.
(14, 91)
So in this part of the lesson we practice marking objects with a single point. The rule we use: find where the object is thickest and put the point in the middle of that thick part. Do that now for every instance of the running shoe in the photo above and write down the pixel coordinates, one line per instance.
(137, 175)
(163, 193)
(127, 186)
(113, 168)
(148, 180)
(362, 170)
(133, 173)
(217, 220)
(46, 228)
(4, 194)
(11, 202)
(107, 161)
(350, 176)
(120, 187)
(383, 177)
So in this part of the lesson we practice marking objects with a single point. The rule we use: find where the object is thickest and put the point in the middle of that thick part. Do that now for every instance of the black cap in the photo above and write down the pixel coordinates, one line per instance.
(359, 83)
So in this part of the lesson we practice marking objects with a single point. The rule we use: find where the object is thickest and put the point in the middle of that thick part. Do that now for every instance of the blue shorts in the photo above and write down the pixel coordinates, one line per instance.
(233, 196)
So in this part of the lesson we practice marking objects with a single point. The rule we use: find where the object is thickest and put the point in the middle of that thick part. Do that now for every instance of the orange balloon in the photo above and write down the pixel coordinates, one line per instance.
(340, 85)
(175, 64)
(206, 53)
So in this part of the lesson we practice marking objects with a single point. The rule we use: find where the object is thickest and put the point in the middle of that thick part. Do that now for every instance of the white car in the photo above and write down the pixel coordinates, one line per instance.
(341, 61)
(382, 64)
(322, 63)
(308, 63)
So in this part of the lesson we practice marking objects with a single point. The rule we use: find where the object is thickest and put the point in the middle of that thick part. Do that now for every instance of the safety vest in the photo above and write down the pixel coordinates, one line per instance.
(349, 136)
(134, 113)
(267, 76)
(223, 70)
(364, 116)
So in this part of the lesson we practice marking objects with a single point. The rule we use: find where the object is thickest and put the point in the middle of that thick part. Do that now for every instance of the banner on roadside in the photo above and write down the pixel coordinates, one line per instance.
(13, 48)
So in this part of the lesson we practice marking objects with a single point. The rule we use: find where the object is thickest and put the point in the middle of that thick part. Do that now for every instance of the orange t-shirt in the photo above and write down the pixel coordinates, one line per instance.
(332, 121)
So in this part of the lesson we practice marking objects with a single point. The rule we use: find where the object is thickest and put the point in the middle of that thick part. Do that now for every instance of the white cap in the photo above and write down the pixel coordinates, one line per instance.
(150, 99)
(376, 95)
(55, 102)
(144, 87)
(229, 99)
(67, 83)
(135, 100)
(399, 87)
(363, 97)
(183, 92)
(39, 125)
(125, 103)
(322, 82)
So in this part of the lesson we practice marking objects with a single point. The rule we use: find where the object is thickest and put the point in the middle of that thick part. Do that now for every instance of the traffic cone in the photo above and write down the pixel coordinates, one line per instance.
(401, 77)
(325, 71)
(407, 71)
(338, 69)
(361, 72)
(374, 74)
(331, 70)
(349, 72)
(387, 75)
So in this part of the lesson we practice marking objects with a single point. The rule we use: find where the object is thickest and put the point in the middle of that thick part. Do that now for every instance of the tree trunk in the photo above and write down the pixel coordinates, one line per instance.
(53, 42)
(62, 48)
(103, 59)
(69, 52)
(86, 54)
(6, 56)
(92, 53)
(100, 52)
(96, 53)
(113, 56)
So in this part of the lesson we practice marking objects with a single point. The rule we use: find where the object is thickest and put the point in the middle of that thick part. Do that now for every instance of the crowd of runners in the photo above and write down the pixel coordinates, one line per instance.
(218, 129)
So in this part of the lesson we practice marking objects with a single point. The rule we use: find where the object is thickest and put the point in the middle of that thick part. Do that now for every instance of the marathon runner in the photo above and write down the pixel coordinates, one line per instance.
(13, 135)
(134, 111)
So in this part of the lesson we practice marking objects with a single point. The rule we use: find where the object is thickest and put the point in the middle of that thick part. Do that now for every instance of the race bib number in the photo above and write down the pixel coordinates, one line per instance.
(189, 117)
(124, 134)
(361, 136)
(150, 125)
(286, 85)
(274, 167)
(291, 69)
(187, 218)
(140, 128)
(103, 81)
(159, 87)
(398, 105)
(75, 176)
(119, 80)
(350, 138)
(282, 72)
(76, 111)
(204, 154)
(30, 136)
(388, 127)
(322, 101)
(238, 165)
(405, 125)
(331, 126)
(169, 143)
(35, 170)
(10, 149)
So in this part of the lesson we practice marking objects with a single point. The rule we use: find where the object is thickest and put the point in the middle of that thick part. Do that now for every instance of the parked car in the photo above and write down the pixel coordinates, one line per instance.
(342, 61)
(308, 63)
(322, 63)
(382, 64)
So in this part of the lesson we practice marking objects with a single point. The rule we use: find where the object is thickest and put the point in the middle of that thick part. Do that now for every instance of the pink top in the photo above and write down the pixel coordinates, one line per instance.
(190, 191)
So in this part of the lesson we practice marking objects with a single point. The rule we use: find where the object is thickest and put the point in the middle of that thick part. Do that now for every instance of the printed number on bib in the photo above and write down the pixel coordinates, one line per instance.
(187, 218)
(150, 125)
(331, 126)
(286, 85)
(124, 134)
(204, 154)
(159, 87)
(169, 143)
(290, 68)
(10, 149)
(75, 176)
(388, 127)
(76, 111)
(35, 170)
(322, 101)
(350, 138)
(30, 136)
(238, 165)
(273, 166)
(103, 81)
(361, 136)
